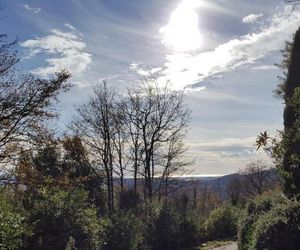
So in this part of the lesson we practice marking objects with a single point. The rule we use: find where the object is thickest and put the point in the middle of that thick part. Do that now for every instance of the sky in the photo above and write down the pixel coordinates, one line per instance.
(220, 52)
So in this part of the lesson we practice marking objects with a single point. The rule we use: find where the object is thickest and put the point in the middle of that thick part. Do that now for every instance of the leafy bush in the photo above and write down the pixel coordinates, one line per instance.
(128, 200)
(13, 227)
(61, 216)
(270, 223)
(149, 212)
(190, 232)
(165, 227)
(167, 230)
(222, 223)
(124, 232)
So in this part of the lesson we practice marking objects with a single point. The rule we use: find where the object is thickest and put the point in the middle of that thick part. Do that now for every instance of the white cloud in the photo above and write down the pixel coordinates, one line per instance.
(224, 155)
(155, 70)
(184, 69)
(252, 18)
(225, 142)
(67, 49)
(243, 153)
(142, 70)
(265, 67)
(32, 9)
(70, 26)
(108, 78)
(193, 90)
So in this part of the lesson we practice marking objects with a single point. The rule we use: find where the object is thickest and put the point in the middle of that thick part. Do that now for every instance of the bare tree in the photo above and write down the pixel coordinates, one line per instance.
(234, 189)
(120, 141)
(172, 162)
(132, 122)
(159, 121)
(96, 124)
(257, 178)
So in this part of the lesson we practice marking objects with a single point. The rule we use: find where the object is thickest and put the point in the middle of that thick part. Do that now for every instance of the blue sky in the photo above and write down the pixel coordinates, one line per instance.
(221, 52)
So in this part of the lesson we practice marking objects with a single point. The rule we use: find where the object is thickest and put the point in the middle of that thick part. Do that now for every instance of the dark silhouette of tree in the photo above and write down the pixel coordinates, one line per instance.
(26, 101)
(160, 118)
(234, 190)
(285, 150)
(96, 123)
(291, 140)
(256, 178)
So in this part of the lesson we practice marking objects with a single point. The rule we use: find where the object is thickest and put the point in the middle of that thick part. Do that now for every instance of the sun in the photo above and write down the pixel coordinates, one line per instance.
(182, 33)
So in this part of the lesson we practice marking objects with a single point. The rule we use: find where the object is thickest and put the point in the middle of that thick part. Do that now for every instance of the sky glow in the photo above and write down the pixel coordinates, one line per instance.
(221, 52)
(182, 32)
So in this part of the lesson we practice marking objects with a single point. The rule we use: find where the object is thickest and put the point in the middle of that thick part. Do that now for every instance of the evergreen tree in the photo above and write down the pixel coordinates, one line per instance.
(290, 168)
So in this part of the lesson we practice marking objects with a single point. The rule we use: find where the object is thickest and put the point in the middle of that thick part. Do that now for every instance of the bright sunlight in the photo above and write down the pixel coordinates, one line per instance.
(182, 33)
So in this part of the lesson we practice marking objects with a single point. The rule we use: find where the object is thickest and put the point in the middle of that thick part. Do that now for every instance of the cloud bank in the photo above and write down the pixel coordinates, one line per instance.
(66, 49)
(187, 69)
(252, 18)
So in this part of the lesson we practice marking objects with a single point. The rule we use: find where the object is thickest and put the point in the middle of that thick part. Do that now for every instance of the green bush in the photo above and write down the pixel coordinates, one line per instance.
(190, 232)
(13, 226)
(270, 223)
(222, 223)
(124, 232)
(167, 230)
(128, 200)
(165, 227)
(61, 216)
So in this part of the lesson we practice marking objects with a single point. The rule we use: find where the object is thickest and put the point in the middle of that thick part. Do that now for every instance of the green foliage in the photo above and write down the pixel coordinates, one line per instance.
(169, 226)
(290, 167)
(58, 215)
(124, 232)
(270, 222)
(167, 230)
(128, 200)
(285, 150)
(222, 223)
(13, 226)
(191, 232)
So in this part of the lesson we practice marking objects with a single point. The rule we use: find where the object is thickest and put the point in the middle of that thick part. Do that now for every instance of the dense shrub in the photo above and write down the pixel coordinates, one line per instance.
(149, 213)
(60, 217)
(13, 227)
(166, 227)
(222, 223)
(190, 232)
(124, 232)
(167, 230)
(128, 200)
(270, 222)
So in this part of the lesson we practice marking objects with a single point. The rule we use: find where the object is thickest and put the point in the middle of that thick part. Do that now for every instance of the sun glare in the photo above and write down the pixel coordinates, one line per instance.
(182, 33)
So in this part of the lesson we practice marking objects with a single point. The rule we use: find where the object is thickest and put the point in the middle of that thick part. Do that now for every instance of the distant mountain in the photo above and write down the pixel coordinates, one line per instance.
(187, 184)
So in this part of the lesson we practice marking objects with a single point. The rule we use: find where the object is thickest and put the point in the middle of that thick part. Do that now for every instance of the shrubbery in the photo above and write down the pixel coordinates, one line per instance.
(167, 230)
(64, 219)
(13, 225)
(61, 216)
(124, 232)
(222, 223)
(152, 225)
(270, 222)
